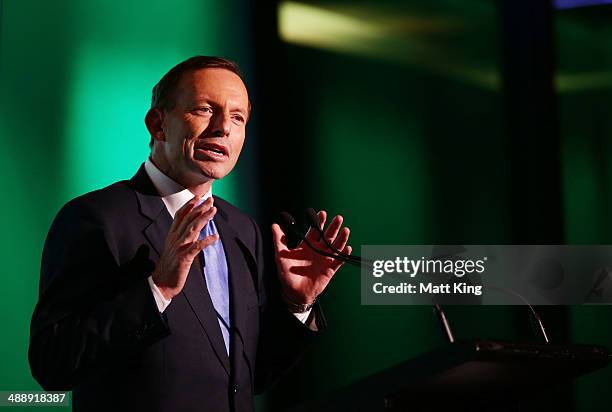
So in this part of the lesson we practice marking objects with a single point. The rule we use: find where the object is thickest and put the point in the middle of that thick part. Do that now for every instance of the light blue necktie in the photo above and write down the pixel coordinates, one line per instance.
(216, 275)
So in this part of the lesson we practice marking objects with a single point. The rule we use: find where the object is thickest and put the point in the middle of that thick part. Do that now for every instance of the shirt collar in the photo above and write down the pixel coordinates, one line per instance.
(173, 194)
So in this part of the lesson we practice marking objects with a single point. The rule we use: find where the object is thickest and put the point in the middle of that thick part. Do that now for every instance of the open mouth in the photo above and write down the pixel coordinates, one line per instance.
(214, 150)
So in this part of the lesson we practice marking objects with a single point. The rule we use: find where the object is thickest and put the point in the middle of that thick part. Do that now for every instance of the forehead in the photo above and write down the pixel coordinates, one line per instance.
(214, 85)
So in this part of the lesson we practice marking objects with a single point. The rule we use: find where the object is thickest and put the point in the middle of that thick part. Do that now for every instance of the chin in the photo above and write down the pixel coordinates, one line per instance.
(213, 170)
(214, 174)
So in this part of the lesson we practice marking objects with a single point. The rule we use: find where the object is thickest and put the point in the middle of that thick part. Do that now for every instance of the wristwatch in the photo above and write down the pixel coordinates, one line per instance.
(298, 307)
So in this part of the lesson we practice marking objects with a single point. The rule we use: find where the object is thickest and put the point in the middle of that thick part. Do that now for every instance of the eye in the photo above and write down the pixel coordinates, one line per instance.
(238, 118)
(204, 110)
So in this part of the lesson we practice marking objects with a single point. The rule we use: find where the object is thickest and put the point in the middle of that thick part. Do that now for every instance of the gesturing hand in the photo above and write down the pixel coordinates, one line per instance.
(182, 246)
(304, 273)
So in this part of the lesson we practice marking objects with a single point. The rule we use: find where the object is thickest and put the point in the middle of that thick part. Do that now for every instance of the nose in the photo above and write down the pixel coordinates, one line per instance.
(221, 124)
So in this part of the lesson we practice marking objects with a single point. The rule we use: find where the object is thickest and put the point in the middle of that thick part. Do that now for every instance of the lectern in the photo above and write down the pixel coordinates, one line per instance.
(473, 375)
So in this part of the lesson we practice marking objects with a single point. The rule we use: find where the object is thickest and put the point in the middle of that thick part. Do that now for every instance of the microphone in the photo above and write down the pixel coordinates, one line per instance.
(536, 319)
(313, 222)
(288, 224)
(443, 322)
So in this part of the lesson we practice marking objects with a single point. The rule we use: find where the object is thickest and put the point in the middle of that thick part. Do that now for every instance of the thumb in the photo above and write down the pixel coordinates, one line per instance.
(203, 243)
(278, 236)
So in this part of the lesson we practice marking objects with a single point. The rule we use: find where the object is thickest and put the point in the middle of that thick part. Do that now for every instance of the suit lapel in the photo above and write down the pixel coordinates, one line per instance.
(151, 206)
(195, 290)
(196, 293)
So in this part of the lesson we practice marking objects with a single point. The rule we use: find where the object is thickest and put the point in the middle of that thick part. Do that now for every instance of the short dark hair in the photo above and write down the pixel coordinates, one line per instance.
(164, 92)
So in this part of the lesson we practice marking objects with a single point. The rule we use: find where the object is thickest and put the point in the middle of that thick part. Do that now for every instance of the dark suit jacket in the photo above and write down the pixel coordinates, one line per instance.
(96, 329)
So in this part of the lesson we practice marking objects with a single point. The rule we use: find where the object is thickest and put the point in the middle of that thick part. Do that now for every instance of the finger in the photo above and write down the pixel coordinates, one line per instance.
(333, 228)
(279, 239)
(202, 244)
(342, 238)
(183, 211)
(196, 211)
(192, 232)
(180, 214)
(313, 235)
(207, 241)
(322, 217)
(338, 263)
(194, 214)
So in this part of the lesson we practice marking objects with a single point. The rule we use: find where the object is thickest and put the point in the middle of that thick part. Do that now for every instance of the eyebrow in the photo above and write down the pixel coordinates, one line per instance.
(239, 110)
(203, 100)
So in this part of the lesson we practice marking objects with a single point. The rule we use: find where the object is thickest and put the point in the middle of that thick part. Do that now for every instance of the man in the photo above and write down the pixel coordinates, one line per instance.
(152, 294)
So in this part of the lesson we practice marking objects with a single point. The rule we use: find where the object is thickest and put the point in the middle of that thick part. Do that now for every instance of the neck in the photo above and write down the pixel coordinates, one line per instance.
(201, 189)
(198, 188)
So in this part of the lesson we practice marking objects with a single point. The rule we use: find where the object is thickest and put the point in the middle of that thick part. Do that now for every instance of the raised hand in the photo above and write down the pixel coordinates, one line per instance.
(182, 246)
(304, 273)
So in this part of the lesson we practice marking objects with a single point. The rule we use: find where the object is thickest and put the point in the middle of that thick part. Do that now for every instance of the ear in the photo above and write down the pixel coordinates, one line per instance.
(154, 121)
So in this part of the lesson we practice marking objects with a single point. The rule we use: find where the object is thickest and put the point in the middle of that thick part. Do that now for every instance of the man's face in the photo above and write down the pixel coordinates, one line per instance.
(204, 132)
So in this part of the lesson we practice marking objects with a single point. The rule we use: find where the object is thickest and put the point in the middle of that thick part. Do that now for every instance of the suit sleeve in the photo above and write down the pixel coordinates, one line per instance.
(92, 310)
(283, 338)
